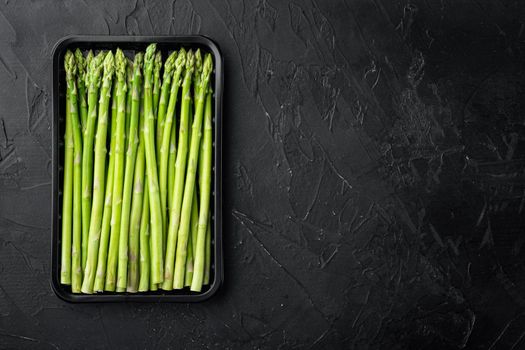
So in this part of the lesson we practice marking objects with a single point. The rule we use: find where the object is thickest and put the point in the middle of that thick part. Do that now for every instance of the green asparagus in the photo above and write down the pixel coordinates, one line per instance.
(76, 259)
(204, 203)
(139, 218)
(133, 186)
(93, 80)
(120, 73)
(99, 172)
(189, 185)
(100, 277)
(180, 166)
(157, 275)
(131, 153)
(67, 199)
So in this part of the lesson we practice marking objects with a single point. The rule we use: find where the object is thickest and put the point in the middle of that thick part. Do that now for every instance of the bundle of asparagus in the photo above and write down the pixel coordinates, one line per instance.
(138, 219)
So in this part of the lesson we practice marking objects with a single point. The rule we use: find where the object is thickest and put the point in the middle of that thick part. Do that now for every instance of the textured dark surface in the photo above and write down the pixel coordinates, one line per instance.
(373, 176)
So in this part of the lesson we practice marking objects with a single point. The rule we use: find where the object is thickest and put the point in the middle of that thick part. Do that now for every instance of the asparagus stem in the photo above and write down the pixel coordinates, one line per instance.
(180, 167)
(151, 166)
(67, 198)
(71, 71)
(188, 275)
(144, 242)
(189, 186)
(99, 173)
(81, 87)
(93, 80)
(135, 223)
(152, 286)
(207, 260)
(157, 66)
(194, 228)
(100, 276)
(145, 220)
(127, 188)
(205, 194)
(171, 165)
(178, 64)
(133, 184)
(140, 175)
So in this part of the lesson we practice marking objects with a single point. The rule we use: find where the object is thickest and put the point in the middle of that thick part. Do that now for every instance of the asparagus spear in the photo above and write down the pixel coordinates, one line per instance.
(180, 165)
(81, 87)
(93, 79)
(71, 71)
(116, 152)
(67, 199)
(189, 186)
(205, 193)
(131, 159)
(100, 277)
(99, 173)
(131, 153)
(151, 166)
(178, 64)
(157, 66)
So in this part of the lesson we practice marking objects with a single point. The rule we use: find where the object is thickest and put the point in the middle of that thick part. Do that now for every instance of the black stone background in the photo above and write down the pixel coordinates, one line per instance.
(373, 176)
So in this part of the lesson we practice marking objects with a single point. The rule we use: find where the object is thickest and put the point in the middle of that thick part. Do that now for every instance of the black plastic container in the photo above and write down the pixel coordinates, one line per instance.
(134, 43)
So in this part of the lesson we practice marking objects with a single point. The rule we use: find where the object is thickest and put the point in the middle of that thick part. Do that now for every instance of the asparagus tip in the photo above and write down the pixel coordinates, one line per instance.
(109, 66)
(150, 54)
(190, 60)
(70, 64)
(129, 65)
(120, 65)
(81, 62)
(89, 56)
(181, 59)
(170, 64)
(198, 61)
(139, 60)
(158, 63)
(207, 68)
